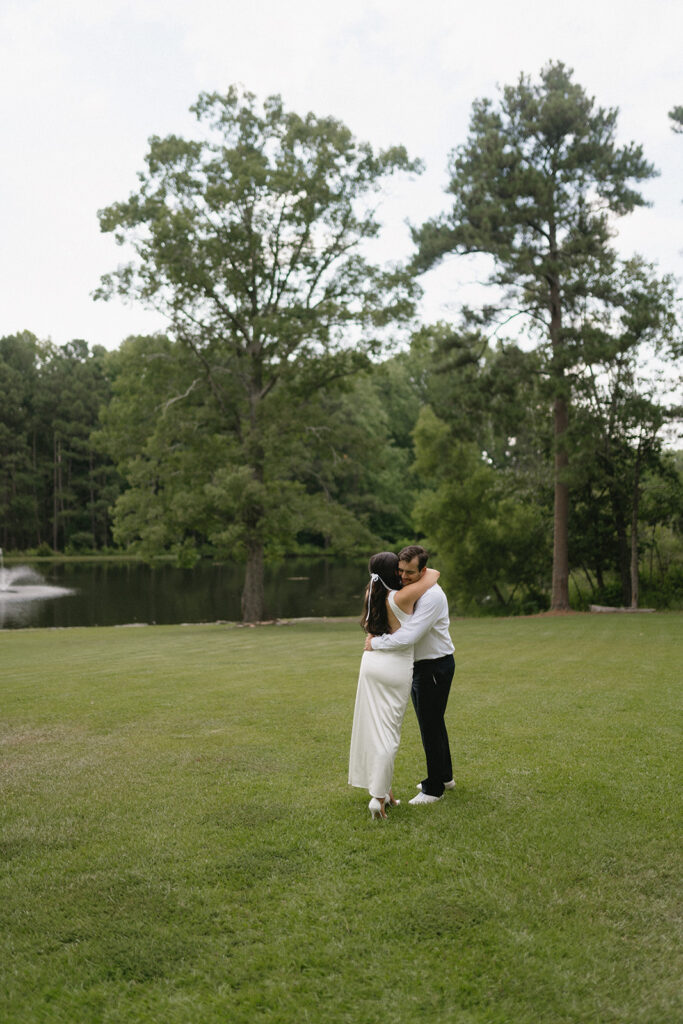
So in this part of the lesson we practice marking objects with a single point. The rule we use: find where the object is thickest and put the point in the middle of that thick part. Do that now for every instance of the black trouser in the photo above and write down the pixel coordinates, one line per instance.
(431, 685)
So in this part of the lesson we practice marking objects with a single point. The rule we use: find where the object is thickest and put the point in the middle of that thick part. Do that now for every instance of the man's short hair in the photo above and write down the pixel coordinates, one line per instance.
(414, 551)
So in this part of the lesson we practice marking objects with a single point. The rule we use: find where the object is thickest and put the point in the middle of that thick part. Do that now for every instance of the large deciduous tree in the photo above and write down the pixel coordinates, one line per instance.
(336, 471)
(537, 186)
(251, 240)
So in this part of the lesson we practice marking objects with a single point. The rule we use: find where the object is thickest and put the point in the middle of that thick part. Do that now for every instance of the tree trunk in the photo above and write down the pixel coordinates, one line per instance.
(559, 600)
(56, 482)
(560, 588)
(93, 520)
(600, 579)
(624, 555)
(252, 595)
(586, 573)
(635, 581)
(36, 502)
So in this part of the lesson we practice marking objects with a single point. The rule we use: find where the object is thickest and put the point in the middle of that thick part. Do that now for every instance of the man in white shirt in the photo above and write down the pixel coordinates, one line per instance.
(433, 670)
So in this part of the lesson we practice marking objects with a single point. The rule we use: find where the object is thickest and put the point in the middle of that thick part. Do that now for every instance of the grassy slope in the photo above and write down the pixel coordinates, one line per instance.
(179, 843)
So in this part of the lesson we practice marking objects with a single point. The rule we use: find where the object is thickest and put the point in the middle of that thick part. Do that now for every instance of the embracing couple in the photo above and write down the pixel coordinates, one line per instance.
(408, 653)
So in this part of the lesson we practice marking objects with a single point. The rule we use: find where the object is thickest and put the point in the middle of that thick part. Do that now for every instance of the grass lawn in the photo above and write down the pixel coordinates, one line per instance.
(179, 844)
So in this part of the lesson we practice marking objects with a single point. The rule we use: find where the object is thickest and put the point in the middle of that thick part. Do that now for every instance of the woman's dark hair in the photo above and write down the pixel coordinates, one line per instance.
(385, 565)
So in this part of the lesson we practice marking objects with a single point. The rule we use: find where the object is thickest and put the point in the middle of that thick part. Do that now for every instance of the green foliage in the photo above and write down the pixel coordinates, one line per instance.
(661, 516)
(492, 542)
(676, 115)
(483, 464)
(20, 357)
(358, 456)
(334, 476)
(615, 439)
(537, 186)
(55, 487)
(250, 240)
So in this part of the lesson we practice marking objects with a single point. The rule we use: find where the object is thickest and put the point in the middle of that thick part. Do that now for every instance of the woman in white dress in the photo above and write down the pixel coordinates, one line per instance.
(384, 682)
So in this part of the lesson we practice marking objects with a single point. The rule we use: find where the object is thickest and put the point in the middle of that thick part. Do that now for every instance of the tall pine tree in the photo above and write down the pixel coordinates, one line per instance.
(537, 186)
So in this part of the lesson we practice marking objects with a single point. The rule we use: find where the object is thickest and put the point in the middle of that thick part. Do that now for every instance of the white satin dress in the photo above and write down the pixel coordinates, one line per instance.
(384, 684)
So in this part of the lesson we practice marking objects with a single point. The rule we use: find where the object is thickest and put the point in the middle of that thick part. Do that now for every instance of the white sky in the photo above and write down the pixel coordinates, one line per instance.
(84, 83)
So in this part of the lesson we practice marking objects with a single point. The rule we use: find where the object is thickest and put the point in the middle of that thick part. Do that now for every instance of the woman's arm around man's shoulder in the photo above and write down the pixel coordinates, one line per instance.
(407, 596)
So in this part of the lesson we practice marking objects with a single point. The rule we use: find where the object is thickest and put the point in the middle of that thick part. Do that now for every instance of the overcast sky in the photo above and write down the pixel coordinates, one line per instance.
(86, 82)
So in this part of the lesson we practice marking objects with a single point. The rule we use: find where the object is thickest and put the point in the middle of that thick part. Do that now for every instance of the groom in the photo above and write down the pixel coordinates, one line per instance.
(432, 672)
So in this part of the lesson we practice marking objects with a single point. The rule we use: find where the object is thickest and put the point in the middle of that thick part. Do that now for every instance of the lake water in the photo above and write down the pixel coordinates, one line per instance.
(118, 593)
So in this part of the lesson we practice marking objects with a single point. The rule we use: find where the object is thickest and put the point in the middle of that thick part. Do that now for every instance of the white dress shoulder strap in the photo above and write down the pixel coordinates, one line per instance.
(398, 612)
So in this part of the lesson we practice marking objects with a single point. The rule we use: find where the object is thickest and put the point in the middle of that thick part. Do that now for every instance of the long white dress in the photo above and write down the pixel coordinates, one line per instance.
(382, 696)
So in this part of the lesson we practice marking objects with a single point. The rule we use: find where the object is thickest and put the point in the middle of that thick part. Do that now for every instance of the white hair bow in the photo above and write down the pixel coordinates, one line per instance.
(374, 577)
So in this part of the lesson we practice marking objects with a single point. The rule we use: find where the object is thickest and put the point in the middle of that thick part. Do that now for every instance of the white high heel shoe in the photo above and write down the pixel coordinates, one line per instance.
(376, 809)
(390, 801)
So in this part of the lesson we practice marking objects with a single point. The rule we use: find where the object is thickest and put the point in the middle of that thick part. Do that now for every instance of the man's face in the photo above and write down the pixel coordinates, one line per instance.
(409, 571)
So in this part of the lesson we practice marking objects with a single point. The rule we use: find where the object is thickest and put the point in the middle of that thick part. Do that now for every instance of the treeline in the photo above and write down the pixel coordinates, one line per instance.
(273, 416)
(57, 488)
(450, 442)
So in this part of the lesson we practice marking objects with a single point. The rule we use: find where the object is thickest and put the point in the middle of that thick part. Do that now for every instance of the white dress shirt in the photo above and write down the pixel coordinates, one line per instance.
(427, 629)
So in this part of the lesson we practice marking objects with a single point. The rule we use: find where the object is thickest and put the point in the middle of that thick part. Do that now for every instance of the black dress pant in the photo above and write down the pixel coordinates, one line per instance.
(431, 685)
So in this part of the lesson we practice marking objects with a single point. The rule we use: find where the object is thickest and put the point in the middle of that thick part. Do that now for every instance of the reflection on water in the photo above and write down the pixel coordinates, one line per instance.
(114, 593)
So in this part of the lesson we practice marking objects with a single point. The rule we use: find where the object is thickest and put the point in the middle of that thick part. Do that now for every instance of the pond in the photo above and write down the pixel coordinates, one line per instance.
(59, 594)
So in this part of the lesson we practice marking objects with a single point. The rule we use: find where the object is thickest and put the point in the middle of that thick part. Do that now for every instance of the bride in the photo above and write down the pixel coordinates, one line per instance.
(384, 681)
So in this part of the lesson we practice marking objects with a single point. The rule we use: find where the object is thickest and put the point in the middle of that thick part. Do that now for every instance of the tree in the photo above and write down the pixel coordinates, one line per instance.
(354, 468)
(537, 186)
(250, 240)
(676, 115)
(166, 449)
(662, 514)
(491, 540)
(620, 410)
(54, 487)
(74, 384)
(21, 357)
(479, 440)
(337, 477)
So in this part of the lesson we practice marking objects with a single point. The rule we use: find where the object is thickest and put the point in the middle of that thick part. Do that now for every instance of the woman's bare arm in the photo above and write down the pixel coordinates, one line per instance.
(407, 596)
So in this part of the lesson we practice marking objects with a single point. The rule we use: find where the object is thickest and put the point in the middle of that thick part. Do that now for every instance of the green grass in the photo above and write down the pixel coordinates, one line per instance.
(179, 843)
